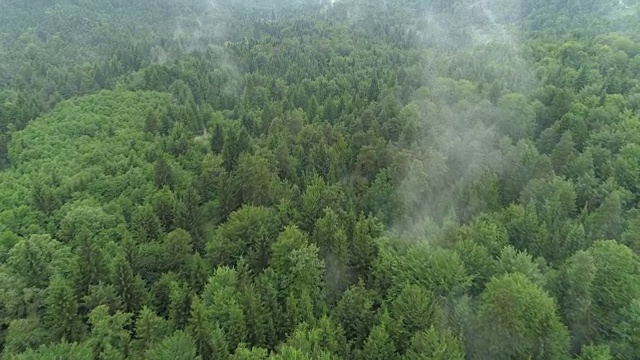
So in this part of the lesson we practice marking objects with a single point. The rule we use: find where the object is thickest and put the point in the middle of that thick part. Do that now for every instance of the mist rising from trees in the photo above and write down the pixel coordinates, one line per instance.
(286, 179)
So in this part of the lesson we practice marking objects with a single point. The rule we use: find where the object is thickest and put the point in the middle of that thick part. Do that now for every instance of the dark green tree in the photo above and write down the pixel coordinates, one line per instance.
(22, 335)
(208, 336)
(110, 337)
(236, 142)
(130, 286)
(363, 249)
(164, 204)
(355, 312)
(163, 173)
(145, 224)
(177, 251)
(150, 329)
(91, 262)
(217, 138)
(332, 243)
(62, 319)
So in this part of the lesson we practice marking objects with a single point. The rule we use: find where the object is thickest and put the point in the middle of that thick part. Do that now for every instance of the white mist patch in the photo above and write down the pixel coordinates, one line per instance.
(491, 30)
(472, 57)
(199, 31)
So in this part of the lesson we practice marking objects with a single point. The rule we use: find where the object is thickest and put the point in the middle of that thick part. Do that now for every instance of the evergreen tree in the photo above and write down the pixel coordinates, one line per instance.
(150, 329)
(130, 286)
(414, 309)
(242, 353)
(179, 346)
(221, 298)
(355, 312)
(101, 294)
(209, 338)
(363, 248)
(236, 142)
(62, 318)
(615, 284)
(217, 138)
(91, 264)
(177, 251)
(146, 224)
(22, 335)
(151, 123)
(179, 306)
(332, 245)
(164, 204)
(110, 337)
(163, 174)
(190, 216)
(379, 345)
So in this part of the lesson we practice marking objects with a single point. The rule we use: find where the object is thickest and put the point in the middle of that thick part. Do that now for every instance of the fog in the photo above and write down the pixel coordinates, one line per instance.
(475, 74)
(464, 47)
(320, 179)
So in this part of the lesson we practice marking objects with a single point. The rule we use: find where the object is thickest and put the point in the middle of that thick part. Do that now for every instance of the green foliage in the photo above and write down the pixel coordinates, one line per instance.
(379, 345)
(355, 312)
(129, 286)
(217, 138)
(150, 329)
(110, 336)
(574, 290)
(332, 243)
(249, 231)
(24, 334)
(62, 311)
(511, 260)
(414, 309)
(146, 224)
(177, 346)
(242, 353)
(294, 179)
(91, 262)
(102, 294)
(439, 270)
(434, 344)
(35, 258)
(626, 347)
(477, 263)
(62, 350)
(210, 338)
(324, 340)
(486, 232)
(517, 318)
(364, 250)
(222, 300)
(615, 284)
(296, 262)
(593, 352)
(177, 251)
(179, 303)
(236, 143)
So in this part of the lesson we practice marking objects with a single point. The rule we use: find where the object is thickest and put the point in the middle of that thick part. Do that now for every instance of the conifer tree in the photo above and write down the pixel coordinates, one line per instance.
(62, 317)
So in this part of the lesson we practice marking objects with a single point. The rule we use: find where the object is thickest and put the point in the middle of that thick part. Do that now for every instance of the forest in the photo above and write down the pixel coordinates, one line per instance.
(320, 179)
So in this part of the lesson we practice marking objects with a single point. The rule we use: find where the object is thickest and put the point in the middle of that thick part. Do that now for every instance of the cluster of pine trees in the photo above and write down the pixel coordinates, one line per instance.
(324, 180)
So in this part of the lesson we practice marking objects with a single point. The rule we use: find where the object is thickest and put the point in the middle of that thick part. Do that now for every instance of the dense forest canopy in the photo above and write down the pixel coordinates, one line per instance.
(320, 179)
